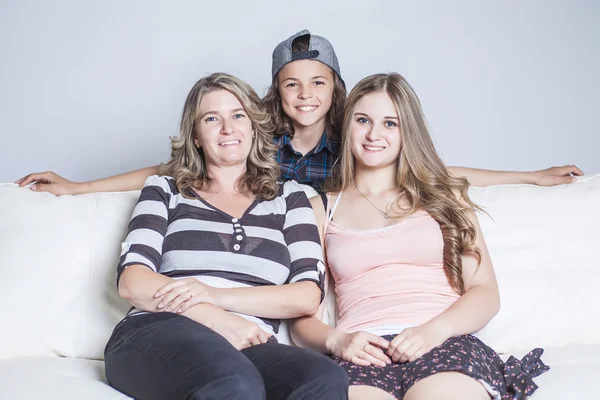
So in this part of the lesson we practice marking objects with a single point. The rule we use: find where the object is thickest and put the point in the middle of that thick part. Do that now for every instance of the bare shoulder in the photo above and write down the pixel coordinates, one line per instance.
(318, 207)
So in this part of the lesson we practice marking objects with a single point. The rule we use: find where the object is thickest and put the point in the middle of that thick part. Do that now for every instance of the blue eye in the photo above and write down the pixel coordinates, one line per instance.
(210, 119)
(362, 120)
(390, 124)
(238, 116)
(291, 85)
(319, 83)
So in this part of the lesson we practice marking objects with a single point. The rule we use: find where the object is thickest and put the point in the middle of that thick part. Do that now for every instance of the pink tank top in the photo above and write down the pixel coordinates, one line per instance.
(388, 276)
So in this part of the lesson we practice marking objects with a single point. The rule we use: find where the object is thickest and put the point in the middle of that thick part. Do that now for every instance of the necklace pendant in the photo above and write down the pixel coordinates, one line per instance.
(386, 216)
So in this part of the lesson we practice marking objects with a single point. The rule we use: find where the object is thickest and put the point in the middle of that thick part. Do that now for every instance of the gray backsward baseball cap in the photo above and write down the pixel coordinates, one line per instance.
(319, 49)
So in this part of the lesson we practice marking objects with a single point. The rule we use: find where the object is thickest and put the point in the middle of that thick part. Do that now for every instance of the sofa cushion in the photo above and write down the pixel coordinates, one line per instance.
(58, 258)
(544, 243)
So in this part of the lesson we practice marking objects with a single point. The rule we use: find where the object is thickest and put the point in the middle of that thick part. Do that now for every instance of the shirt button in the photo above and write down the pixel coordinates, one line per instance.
(236, 247)
(234, 220)
(239, 237)
(237, 225)
(238, 230)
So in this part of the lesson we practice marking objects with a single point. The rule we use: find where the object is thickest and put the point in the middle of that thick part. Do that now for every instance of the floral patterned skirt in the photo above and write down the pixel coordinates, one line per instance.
(465, 354)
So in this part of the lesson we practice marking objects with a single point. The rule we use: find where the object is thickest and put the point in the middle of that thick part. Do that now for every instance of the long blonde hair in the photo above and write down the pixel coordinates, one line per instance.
(187, 164)
(421, 174)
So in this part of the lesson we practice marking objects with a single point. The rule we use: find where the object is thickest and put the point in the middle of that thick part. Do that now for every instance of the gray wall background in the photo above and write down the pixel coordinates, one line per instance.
(94, 88)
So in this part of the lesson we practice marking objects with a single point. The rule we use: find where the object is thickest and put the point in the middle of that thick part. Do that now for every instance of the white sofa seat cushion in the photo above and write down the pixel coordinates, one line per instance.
(55, 378)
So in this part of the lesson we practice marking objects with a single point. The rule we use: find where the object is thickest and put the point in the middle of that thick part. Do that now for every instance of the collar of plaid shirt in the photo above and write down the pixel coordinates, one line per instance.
(310, 169)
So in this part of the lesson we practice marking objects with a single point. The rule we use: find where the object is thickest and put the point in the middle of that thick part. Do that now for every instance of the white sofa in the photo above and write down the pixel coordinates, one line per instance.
(59, 302)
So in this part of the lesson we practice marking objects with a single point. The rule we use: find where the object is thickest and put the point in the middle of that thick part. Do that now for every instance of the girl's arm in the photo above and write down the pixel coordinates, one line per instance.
(481, 300)
(360, 348)
(57, 185)
(546, 177)
(469, 314)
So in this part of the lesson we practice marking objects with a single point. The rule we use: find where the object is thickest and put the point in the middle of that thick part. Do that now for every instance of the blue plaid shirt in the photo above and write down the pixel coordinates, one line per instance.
(312, 168)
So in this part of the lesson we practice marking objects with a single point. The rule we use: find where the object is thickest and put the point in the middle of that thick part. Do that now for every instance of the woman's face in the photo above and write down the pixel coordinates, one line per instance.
(223, 129)
(375, 131)
(306, 91)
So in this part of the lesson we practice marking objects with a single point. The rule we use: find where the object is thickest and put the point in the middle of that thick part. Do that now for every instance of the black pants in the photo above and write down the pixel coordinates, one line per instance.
(166, 356)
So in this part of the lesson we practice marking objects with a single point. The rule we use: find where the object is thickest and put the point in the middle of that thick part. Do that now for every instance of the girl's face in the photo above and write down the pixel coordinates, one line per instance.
(223, 129)
(375, 131)
(306, 91)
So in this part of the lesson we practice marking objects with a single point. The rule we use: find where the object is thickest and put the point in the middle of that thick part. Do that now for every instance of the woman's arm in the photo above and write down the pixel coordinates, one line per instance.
(138, 284)
(276, 301)
(546, 177)
(57, 185)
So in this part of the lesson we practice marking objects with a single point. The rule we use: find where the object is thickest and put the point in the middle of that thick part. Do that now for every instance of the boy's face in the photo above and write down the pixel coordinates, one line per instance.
(306, 91)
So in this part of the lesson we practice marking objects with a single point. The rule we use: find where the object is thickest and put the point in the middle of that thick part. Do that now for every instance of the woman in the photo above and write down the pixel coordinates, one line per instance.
(413, 277)
(306, 101)
(217, 253)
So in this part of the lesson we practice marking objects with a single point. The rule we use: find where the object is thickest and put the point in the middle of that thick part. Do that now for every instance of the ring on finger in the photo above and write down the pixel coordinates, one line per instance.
(365, 346)
(190, 293)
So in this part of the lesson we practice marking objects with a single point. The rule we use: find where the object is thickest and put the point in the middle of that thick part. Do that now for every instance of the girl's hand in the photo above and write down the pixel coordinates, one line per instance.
(361, 348)
(412, 343)
(181, 294)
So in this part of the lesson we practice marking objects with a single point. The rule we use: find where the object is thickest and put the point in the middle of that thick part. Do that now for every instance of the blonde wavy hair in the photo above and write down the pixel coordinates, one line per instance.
(421, 174)
(187, 164)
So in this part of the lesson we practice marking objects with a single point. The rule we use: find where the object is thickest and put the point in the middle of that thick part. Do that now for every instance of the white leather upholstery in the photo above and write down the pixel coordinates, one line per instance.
(56, 378)
(545, 246)
(58, 258)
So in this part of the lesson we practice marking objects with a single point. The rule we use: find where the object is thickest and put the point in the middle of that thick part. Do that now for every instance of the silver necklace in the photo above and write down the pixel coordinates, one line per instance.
(385, 213)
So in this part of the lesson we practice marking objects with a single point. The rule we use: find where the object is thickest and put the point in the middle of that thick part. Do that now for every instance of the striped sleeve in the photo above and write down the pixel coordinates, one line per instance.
(302, 238)
(147, 227)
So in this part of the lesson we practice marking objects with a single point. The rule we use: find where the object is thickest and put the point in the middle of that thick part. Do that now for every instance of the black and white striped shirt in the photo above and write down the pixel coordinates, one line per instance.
(275, 242)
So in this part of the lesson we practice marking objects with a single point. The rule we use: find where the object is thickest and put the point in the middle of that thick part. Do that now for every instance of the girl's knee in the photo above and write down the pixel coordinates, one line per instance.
(447, 386)
(364, 392)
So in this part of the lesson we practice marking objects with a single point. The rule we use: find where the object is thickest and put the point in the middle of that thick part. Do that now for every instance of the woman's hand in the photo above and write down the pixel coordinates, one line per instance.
(361, 348)
(413, 342)
(556, 175)
(50, 182)
(181, 294)
(238, 331)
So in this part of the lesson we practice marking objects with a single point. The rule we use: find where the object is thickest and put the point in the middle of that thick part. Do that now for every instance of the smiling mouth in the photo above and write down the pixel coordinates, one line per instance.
(306, 109)
(229, 143)
(373, 148)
